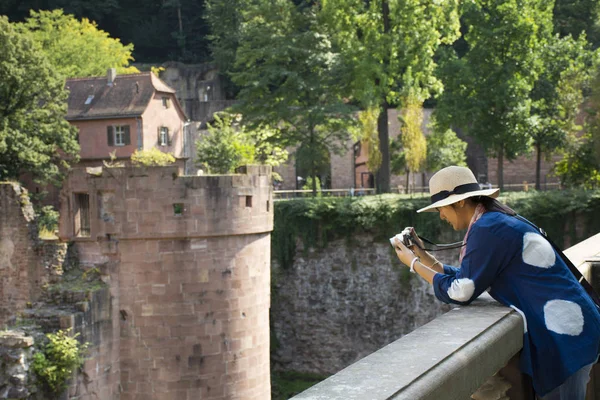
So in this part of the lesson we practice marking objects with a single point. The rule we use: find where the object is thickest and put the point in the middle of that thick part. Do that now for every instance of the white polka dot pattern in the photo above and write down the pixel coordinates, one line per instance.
(537, 251)
(564, 317)
(461, 289)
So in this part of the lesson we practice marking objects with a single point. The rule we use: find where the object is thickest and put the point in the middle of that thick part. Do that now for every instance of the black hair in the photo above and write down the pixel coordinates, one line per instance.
(491, 204)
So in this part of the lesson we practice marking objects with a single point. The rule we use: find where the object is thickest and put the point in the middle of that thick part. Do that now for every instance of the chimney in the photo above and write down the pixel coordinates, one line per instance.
(111, 75)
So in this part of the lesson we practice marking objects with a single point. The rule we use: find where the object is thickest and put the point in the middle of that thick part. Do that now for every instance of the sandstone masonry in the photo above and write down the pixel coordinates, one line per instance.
(187, 260)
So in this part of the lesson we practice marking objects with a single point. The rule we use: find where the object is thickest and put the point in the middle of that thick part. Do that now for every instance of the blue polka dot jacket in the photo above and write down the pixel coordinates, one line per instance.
(520, 269)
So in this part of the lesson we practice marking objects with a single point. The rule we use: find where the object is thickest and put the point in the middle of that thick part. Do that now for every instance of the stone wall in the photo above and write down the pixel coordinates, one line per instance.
(188, 260)
(26, 263)
(337, 305)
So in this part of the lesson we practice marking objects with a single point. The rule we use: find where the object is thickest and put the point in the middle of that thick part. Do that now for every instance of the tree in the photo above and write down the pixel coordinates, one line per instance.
(288, 74)
(225, 147)
(411, 140)
(444, 148)
(573, 17)
(34, 135)
(76, 48)
(558, 94)
(229, 144)
(488, 90)
(161, 30)
(580, 165)
(387, 48)
(224, 18)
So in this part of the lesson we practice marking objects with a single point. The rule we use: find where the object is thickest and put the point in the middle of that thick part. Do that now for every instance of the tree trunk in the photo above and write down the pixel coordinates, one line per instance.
(313, 162)
(383, 173)
(407, 180)
(501, 168)
(538, 165)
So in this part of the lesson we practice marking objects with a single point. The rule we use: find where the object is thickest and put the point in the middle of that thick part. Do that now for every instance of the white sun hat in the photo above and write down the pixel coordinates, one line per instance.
(452, 184)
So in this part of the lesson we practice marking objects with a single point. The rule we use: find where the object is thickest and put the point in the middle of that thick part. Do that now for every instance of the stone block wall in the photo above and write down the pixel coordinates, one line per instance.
(22, 268)
(188, 259)
(339, 304)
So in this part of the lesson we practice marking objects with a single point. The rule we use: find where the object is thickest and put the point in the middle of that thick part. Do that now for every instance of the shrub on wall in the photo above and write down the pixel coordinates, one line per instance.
(61, 356)
(316, 221)
(151, 158)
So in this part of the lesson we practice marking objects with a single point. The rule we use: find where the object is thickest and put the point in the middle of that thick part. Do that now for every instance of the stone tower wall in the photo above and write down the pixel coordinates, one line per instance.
(189, 266)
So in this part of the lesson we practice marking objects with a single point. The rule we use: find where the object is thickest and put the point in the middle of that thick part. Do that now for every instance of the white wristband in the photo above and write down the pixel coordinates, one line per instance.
(412, 264)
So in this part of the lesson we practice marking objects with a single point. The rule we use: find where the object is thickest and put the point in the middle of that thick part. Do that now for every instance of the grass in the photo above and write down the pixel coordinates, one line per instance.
(285, 385)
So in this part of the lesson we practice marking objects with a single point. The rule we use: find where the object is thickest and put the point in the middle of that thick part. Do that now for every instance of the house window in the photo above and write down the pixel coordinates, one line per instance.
(82, 215)
(118, 135)
(89, 99)
(163, 136)
(166, 102)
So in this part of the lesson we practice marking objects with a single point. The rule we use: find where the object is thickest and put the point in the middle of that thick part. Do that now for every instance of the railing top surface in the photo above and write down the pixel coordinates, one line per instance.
(447, 358)
(389, 372)
(582, 251)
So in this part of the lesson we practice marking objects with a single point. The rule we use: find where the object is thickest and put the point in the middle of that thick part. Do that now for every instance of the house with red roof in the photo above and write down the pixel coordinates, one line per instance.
(122, 113)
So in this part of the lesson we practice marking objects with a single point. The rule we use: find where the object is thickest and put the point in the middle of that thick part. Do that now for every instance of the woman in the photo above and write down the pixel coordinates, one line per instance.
(520, 269)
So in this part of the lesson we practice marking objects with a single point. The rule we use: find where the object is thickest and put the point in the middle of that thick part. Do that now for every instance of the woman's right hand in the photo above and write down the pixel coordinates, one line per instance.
(418, 247)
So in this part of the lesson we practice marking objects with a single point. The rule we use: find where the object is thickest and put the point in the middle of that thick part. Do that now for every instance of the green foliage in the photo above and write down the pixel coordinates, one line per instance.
(225, 147)
(230, 144)
(317, 221)
(444, 148)
(387, 52)
(558, 94)
(151, 158)
(370, 136)
(287, 71)
(161, 30)
(309, 184)
(287, 384)
(488, 89)
(411, 136)
(47, 218)
(77, 48)
(224, 17)
(579, 165)
(574, 17)
(61, 356)
(34, 136)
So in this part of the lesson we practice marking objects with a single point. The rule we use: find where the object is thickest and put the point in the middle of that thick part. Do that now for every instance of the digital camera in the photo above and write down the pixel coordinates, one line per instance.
(406, 237)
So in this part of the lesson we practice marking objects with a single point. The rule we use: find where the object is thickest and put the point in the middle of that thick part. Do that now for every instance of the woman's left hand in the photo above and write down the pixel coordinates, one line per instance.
(404, 253)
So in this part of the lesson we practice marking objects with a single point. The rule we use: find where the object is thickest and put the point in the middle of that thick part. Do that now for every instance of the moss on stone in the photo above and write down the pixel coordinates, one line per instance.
(78, 280)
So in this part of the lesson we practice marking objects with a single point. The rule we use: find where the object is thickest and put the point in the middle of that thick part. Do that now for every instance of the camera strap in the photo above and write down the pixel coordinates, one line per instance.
(439, 247)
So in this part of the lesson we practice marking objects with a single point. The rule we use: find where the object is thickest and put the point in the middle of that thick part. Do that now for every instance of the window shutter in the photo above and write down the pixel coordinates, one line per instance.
(110, 137)
(168, 137)
(127, 138)
(158, 136)
(168, 102)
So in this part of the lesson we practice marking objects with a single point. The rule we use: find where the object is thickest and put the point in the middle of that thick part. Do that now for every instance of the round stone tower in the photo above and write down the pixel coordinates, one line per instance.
(188, 261)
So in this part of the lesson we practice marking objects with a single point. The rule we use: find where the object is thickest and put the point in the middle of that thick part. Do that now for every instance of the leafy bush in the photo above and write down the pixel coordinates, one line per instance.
(317, 221)
(61, 356)
(47, 220)
(152, 158)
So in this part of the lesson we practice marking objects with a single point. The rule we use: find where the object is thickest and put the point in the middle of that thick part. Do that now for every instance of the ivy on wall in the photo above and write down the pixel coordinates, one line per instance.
(568, 216)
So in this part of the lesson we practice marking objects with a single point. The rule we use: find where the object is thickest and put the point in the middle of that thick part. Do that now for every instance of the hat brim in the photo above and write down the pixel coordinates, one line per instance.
(458, 197)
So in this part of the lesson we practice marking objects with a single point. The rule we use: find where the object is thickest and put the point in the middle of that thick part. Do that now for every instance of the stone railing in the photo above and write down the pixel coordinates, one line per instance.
(469, 352)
